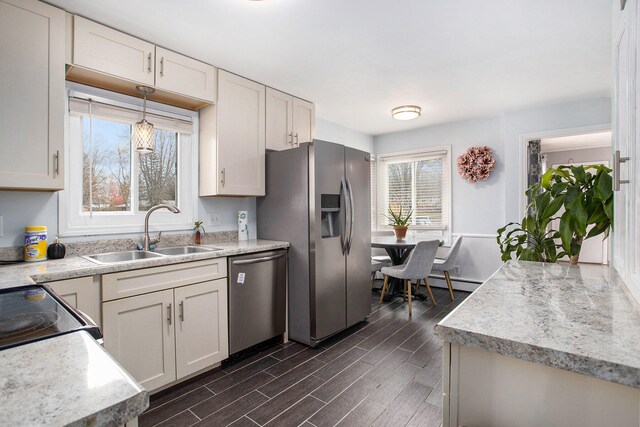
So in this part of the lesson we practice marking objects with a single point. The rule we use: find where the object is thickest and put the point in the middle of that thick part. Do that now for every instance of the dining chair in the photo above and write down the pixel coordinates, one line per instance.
(379, 254)
(447, 263)
(375, 267)
(417, 267)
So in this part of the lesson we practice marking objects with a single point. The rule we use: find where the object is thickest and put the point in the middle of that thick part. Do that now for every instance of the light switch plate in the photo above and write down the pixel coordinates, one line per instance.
(214, 218)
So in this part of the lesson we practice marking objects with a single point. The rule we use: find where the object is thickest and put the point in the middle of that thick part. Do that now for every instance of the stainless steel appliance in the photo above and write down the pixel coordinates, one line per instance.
(318, 199)
(33, 313)
(257, 298)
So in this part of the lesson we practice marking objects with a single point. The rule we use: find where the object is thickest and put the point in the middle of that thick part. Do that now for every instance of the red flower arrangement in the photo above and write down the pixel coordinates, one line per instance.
(476, 164)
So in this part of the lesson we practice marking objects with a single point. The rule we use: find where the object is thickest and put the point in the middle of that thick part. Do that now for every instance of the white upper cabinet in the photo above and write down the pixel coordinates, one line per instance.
(109, 51)
(232, 139)
(304, 121)
(31, 95)
(290, 121)
(180, 74)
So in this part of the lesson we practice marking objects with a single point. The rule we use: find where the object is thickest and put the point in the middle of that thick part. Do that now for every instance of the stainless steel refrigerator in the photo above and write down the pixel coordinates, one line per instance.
(318, 199)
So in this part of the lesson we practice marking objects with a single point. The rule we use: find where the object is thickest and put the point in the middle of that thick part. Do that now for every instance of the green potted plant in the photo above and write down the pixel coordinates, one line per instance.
(400, 222)
(199, 229)
(532, 239)
(586, 193)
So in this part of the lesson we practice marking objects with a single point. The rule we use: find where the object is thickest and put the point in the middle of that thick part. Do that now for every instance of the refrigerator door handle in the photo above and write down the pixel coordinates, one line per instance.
(352, 216)
(344, 189)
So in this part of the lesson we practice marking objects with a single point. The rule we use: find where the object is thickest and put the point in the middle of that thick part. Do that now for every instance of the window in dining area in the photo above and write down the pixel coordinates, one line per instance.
(417, 182)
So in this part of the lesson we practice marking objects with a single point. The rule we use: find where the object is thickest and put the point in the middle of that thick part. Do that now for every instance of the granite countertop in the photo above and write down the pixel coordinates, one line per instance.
(76, 266)
(66, 380)
(578, 318)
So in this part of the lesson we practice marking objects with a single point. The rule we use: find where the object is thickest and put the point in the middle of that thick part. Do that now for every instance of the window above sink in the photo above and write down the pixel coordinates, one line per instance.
(109, 185)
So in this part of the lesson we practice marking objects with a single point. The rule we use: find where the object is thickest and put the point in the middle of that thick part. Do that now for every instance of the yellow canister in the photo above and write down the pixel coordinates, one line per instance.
(35, 243)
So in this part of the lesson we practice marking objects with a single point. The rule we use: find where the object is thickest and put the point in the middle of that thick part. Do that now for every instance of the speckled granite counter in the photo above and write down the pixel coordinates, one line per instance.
(75, 266)
(577, 318)
(66, 380)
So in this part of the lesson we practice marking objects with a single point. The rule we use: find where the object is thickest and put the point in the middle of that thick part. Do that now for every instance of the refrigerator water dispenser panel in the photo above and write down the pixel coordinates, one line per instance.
(330, 215)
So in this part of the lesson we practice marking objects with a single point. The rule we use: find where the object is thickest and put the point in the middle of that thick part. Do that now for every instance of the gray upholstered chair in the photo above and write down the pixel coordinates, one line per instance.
(447, 263)
(379, 254)
(417, 267)
(375, 267)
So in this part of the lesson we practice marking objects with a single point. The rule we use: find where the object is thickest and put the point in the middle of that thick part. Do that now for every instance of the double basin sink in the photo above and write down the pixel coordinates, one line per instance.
(128, 256)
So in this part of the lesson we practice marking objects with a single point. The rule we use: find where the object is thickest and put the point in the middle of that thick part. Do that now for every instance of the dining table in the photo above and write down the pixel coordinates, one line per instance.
(398, 251)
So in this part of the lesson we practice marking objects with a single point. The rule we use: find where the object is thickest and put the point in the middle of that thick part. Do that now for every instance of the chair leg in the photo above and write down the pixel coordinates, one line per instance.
(409, 290)
(385, 285)
(448, 280)
(426, 284)
(373, 279)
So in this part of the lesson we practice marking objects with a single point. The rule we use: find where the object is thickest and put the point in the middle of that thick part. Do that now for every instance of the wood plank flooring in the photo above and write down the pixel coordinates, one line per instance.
(383, 372)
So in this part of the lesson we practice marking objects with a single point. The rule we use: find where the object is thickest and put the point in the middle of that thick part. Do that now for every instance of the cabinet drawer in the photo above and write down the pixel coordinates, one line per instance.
(109, 51)
(136, 282)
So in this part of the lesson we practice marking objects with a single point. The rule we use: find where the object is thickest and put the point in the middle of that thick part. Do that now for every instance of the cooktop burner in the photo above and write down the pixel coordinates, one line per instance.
(31, 313)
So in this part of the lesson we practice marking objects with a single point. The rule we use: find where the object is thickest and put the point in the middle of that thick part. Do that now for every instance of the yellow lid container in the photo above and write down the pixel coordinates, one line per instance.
(35, 243)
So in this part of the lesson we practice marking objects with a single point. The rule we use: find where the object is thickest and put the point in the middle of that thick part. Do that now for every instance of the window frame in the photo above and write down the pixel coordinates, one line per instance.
(381, 188)
(73, 222)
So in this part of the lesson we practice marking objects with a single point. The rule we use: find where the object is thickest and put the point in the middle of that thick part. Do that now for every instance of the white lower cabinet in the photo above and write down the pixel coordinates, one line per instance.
(162, 336)
(81, 293)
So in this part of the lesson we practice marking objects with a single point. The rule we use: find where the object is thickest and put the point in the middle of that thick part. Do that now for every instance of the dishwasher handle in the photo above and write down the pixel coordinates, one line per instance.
(257, 260)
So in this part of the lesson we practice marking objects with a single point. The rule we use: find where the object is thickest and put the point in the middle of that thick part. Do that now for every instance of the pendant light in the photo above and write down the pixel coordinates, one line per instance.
(406, 112)
(143, 130)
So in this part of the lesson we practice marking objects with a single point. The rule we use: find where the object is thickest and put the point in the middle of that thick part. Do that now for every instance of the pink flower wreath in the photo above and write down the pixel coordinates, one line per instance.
(476, 164)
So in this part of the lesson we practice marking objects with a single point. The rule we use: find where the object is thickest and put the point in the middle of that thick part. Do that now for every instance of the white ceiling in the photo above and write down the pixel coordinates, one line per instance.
(576, 142)
(358, 59)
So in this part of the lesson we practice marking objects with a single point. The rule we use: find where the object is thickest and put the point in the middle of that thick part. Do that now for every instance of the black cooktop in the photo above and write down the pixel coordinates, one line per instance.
(32, 313)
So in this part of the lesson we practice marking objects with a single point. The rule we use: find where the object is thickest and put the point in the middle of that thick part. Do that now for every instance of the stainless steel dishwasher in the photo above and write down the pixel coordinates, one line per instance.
(257, 298)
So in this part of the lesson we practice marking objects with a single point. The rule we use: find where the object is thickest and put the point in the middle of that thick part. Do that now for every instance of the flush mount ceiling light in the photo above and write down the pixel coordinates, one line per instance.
(406, 112)
(143, 130)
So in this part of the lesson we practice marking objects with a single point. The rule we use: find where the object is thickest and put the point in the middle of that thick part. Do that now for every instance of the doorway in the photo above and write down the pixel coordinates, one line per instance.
(573, 150)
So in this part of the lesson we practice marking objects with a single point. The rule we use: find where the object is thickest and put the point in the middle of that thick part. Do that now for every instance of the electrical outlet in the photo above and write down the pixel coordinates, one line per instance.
(214, 218)
(456, 270)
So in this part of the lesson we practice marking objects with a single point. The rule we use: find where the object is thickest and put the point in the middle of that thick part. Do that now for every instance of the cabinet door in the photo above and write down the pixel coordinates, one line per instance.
(185, 76)
(81, 293)
(32, 95)
(241, 136)
(109, 51)
(279, 126)
(201, 326)
(139, 334)
(304, 121)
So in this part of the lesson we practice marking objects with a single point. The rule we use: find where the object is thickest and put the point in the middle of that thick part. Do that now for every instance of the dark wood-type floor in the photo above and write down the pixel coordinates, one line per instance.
(383, 372)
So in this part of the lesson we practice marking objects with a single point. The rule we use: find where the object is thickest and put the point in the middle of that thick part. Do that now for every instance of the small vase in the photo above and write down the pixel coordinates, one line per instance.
(401, 232)
(573, 259)
(198, 240)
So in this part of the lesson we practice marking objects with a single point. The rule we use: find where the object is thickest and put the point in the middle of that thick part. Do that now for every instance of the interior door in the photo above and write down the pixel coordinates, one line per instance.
(357, 172)
(328, 307)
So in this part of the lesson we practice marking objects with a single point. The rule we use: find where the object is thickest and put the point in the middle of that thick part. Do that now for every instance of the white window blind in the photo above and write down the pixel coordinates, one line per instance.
(418, 182)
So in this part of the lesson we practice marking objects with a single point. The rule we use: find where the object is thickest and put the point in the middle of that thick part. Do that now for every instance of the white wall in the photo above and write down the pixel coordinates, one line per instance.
(535, 122)
(332, 132)
(585, 155)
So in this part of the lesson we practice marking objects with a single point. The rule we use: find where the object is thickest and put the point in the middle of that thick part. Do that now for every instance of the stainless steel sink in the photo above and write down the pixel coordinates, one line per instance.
(119, 257)
(183, 250)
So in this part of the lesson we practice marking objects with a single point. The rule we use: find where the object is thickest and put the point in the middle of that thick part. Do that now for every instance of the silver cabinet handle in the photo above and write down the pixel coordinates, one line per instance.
(222, 177)
(169, 313)
(162, 67)
(617, 161)
(149, 63)
(56, 157)
(256, 260)
(297, 142)
(182, 311)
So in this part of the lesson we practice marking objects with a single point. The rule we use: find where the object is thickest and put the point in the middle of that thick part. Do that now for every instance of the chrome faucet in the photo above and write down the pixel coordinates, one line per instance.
(147, 242)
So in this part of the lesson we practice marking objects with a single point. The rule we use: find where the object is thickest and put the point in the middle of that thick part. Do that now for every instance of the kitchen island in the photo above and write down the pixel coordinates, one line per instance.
(543, 344)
